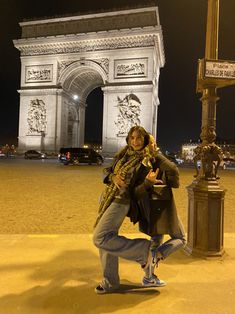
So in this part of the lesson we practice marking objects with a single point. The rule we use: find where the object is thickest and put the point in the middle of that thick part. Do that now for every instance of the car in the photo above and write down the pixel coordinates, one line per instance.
(2, 154)
(175, 160)
(179, 161)
(76, 155)
(34, 154)
(227, 163)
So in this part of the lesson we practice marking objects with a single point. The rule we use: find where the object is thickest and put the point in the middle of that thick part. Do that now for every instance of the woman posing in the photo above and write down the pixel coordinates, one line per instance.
(156, 212)
(127, 169)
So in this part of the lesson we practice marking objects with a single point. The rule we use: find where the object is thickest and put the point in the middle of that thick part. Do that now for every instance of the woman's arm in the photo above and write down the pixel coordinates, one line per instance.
(170, 171)
(144, 182)
(108, 174)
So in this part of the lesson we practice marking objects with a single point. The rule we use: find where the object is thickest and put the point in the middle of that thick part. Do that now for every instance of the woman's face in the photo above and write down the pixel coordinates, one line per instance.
(136, 141)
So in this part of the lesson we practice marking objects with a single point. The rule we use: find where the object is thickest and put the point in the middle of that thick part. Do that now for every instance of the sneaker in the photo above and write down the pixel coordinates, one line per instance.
(153, 281)
(100, 289)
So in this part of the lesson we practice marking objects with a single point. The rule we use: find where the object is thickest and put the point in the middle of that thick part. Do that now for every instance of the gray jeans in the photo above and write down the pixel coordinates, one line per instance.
(111, 245)
(176, 242)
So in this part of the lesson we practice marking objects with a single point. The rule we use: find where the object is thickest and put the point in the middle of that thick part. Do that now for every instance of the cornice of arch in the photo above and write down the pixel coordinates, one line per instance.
(108, 40)
(37, 91)
(91, 15)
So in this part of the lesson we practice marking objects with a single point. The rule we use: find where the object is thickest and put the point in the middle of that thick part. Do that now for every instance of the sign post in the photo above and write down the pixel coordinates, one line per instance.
(206, 197)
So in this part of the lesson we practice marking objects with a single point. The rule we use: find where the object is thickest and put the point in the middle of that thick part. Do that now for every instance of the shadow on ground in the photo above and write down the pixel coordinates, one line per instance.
(67, 286)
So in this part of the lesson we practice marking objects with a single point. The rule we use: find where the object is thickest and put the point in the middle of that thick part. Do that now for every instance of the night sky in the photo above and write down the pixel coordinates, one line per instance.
(184, 28)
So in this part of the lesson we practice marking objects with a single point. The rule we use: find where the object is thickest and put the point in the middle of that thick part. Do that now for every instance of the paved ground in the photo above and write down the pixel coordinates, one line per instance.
(49, 265)
(47, 197)
(56, 274)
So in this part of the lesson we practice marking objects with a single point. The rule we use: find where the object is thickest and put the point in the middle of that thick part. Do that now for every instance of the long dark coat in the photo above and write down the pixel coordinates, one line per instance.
(154, 208)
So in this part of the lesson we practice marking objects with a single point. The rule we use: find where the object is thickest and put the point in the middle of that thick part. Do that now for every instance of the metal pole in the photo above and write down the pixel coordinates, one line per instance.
(212, 30)
(209, 98)
(206, 197)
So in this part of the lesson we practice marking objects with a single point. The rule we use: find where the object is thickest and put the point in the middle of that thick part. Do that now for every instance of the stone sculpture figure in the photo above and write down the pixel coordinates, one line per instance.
(37, 116)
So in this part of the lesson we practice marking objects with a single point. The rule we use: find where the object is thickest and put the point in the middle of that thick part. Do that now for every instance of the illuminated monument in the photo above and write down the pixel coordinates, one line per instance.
(64, 59)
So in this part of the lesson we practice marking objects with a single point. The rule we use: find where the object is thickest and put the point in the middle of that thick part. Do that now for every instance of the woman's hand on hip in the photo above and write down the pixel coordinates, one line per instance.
(119, 181)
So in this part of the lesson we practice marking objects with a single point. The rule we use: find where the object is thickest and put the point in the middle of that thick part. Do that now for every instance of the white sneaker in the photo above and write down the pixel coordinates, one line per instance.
(153, 281)
(100, 289)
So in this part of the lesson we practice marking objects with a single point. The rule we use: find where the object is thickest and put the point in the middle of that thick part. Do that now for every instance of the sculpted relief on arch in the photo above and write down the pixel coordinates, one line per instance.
(130, 68)
(128, 113)
(39, 73)
(37, 117)
(102, 62)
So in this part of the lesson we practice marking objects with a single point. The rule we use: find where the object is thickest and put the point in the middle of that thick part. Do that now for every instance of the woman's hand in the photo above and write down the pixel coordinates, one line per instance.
(152, 177)
(119, 181)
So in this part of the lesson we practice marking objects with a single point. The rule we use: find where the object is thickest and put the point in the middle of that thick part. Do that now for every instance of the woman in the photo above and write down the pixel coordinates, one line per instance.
(115, 205)
(157, 214)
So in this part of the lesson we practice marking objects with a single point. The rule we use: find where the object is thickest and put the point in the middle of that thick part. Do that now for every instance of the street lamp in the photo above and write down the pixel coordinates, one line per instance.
(206, 197)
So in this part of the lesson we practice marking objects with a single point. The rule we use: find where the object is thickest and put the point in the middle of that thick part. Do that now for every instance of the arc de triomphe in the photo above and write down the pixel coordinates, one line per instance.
(64, 59)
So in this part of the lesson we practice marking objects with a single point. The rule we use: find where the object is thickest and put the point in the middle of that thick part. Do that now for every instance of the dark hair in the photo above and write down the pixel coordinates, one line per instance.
(141, 131)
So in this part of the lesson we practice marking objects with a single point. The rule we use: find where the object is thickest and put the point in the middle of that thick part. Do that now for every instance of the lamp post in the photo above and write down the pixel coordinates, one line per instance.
(206, 197)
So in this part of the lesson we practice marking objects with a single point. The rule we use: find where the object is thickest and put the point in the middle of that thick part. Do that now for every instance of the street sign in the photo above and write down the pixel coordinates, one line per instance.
(215, 73)
(219, 69)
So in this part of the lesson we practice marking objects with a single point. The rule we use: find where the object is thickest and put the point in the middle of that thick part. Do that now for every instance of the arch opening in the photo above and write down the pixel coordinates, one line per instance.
(83, 105)
(94, 118)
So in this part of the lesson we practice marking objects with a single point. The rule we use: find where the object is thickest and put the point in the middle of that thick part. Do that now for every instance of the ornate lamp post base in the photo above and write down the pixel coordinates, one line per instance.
(205, 218)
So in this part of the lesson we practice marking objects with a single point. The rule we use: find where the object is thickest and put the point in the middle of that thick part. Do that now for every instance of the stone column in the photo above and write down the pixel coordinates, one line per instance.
(81, 124)
(124, 107)
(46, 103)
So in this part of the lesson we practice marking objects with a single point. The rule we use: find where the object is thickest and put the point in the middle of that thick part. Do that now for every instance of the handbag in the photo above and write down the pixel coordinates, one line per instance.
(161, 192)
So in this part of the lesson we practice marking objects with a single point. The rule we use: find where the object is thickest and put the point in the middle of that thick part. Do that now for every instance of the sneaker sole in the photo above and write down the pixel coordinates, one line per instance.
(105, 291)
(153, 285)
(100, 292)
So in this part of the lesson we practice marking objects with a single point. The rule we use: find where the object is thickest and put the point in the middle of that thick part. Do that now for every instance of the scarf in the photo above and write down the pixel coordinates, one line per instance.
(126, 164)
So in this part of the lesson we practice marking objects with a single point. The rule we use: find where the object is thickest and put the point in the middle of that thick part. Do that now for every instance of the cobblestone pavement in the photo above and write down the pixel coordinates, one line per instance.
(47, 197)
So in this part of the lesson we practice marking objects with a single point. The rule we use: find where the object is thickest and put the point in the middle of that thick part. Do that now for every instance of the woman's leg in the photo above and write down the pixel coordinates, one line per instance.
(177, 241)
(106, 238)
(109, 264)
(156, 241)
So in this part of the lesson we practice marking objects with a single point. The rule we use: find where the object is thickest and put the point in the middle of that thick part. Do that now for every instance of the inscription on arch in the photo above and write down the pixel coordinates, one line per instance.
(38, 73)
(130, 68)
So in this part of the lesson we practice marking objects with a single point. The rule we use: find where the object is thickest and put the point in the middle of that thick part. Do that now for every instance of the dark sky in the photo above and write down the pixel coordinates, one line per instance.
(184, 26)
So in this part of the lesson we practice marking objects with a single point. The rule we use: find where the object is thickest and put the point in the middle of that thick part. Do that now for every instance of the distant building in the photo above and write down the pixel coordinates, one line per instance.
(187, 150)
(228, 150)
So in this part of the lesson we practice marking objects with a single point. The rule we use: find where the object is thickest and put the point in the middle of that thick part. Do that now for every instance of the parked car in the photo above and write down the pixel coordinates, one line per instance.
(176, 160)
(227, 163)
(224, 164)
(2, 154)
(34, 154)
(76, 155)
(179, 161)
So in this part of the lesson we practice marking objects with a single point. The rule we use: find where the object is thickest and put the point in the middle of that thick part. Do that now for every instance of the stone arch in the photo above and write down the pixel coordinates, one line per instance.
(81, 77)
(119, 51)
